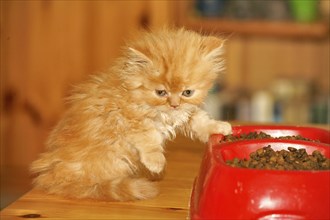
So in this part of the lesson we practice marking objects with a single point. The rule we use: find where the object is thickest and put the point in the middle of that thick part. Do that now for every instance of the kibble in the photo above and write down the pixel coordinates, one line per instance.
(291, 159)
(261, 135)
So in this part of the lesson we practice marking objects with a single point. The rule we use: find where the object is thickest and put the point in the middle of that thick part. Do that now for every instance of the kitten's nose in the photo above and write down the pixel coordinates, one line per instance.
(174, 101)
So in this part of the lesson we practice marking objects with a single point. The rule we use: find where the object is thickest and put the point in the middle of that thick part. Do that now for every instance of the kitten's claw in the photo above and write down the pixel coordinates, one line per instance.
(221, 127)
(155, 162)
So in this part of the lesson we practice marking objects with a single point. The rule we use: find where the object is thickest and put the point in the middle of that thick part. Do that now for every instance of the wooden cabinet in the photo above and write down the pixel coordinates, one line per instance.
(46, 47)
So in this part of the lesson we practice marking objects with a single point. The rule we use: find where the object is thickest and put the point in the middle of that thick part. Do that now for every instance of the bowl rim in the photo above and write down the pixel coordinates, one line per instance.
(215, 138)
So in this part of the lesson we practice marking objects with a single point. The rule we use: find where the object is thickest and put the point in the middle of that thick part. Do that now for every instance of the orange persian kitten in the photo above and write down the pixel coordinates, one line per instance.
(110, 142)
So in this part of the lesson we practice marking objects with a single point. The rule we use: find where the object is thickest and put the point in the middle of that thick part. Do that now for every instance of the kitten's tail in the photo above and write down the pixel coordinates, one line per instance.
(129, 189)
(65, 182)
(124, 189)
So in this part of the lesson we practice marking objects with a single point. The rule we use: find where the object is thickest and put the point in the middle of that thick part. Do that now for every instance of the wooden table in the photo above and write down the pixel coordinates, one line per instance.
(183, 161)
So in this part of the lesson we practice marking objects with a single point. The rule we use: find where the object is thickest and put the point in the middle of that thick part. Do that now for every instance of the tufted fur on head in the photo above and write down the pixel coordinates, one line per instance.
(110, 142)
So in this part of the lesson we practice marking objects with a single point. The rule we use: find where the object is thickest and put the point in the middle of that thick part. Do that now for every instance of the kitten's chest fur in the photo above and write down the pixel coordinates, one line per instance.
(168, 123)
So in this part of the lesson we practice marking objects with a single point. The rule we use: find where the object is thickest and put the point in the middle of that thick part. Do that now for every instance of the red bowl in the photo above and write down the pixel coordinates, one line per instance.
(224, 192)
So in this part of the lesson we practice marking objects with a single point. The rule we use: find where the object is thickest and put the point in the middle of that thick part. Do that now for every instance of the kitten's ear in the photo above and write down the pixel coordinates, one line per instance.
(135, 64)
(212, 47)
(137, 58)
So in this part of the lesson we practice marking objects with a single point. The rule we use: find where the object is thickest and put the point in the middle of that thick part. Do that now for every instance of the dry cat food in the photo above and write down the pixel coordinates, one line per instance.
(260, 135)
(291, 159)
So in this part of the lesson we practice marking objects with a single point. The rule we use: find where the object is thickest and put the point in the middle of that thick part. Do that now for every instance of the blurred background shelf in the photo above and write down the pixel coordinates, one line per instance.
(277, 58)
(251, 18)
(316, 30)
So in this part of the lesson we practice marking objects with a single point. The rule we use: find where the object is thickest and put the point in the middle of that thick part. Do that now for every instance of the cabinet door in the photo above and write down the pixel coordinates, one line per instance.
(46, 46)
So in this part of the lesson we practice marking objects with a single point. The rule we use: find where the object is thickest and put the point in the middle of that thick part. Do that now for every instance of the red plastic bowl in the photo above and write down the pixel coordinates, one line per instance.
(224, 192)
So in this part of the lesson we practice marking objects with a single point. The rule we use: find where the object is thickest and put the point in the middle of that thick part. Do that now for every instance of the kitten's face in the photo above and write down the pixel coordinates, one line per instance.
(171, 99)
(174, 69)
(174, 94)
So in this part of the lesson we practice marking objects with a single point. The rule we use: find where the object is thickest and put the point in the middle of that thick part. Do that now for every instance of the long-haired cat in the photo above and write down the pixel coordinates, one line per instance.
(110, 142)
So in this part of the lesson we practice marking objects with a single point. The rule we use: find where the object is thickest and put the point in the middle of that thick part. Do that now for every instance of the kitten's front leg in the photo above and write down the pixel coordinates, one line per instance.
(202, 126)
(149, 145)
(154, 161)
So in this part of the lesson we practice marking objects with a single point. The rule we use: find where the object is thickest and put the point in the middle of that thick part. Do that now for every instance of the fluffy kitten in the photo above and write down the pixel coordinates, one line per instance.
(110, 142)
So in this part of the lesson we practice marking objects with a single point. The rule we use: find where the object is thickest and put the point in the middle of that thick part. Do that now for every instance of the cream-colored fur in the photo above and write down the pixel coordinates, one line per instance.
(110, 142)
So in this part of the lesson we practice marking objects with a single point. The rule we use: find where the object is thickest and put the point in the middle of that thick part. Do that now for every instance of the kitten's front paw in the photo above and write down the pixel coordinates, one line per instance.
(155, 162)
(221, 127)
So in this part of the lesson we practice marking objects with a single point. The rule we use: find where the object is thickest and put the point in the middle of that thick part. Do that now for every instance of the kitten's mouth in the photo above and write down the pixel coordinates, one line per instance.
(175, 107)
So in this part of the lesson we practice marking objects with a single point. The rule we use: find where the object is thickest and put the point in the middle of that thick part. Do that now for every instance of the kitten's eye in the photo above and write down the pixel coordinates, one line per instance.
(161, 93)
(188, 92)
